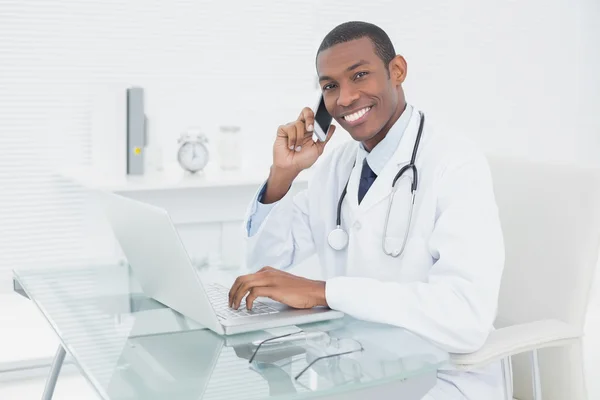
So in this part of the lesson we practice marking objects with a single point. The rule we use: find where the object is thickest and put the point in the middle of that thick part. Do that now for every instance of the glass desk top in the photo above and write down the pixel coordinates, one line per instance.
(129, 346)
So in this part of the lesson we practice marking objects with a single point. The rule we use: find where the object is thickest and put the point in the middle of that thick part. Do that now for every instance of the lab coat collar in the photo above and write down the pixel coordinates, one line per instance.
(381, 188)
(385, 150)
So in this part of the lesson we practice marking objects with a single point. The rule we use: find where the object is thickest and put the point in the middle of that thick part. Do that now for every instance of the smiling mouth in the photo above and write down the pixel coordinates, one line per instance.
(357, 116)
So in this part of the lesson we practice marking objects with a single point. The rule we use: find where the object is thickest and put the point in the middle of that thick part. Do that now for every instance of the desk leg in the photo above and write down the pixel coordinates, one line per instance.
(59, 358)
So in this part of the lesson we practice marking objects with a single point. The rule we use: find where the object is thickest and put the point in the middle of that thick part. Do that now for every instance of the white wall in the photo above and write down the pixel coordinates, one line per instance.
(518, 77)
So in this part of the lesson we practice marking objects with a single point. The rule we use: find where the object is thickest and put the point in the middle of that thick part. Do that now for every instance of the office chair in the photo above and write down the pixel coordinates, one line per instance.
(550, 217)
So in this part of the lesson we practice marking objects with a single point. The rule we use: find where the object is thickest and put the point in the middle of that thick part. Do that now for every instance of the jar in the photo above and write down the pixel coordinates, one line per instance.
(229, 147)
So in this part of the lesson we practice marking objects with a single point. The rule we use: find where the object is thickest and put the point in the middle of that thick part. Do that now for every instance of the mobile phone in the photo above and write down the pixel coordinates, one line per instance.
(322, 120)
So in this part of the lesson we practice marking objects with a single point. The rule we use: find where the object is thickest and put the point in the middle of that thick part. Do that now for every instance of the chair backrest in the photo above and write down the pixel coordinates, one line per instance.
(550, 217)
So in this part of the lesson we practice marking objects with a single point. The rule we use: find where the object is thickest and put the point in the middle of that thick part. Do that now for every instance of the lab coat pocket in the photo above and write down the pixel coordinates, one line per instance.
(408, 267)
(398, 217)
(414, 262)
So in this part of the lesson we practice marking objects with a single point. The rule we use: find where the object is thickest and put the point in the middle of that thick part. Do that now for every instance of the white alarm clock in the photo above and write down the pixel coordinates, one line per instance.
(193, 153)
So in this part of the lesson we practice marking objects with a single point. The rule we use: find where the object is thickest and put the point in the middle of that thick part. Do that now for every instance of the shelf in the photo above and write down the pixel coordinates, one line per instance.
(171, 178)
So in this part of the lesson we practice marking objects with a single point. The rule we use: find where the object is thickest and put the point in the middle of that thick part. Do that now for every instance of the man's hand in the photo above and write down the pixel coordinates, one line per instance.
(293, 151)
(280, 286)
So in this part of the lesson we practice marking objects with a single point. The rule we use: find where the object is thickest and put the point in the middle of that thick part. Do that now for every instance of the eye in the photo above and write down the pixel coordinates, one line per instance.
(329, 86)
(360, 74)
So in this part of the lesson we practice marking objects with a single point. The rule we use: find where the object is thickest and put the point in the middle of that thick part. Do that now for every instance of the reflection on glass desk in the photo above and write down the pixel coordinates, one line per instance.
(129, 346)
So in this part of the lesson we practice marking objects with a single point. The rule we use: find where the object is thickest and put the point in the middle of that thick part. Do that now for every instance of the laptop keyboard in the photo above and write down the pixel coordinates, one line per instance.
(219, 298)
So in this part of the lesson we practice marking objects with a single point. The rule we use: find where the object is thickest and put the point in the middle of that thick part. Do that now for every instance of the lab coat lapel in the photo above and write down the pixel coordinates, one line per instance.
(382, 186)
(352, 191)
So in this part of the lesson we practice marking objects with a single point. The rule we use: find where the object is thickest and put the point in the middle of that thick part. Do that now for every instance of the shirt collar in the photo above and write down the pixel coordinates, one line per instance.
(384, 150)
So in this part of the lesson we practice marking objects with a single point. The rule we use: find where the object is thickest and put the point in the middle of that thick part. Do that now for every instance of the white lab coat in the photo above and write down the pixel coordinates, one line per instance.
(445, 285)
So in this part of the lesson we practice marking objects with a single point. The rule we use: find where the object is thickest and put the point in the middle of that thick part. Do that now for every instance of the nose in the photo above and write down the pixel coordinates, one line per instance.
(348, 95)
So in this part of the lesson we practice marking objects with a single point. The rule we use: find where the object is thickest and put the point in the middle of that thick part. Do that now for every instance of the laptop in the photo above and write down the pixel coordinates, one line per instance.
(162, 266)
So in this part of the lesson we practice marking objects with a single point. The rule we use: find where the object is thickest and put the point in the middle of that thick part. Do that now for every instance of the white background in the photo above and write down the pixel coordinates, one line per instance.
(519, 78)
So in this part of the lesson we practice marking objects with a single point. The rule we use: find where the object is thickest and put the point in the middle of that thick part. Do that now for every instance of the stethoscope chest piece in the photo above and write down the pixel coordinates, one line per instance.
(338, 239)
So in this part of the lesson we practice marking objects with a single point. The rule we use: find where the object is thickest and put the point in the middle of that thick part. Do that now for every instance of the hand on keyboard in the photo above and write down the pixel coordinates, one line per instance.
(217, 295)
(292, 290)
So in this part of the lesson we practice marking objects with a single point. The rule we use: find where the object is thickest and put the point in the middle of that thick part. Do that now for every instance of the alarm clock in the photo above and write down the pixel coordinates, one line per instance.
(192, 155)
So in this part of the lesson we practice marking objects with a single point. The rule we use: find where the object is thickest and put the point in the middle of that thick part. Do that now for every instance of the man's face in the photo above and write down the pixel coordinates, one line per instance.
(357, 88)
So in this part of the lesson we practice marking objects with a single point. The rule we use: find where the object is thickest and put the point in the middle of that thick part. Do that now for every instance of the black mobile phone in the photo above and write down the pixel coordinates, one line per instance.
(322, 120)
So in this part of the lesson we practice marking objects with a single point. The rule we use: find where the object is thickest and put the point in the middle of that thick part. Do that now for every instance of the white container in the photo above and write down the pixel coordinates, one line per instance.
(153, 159)
(229, 148)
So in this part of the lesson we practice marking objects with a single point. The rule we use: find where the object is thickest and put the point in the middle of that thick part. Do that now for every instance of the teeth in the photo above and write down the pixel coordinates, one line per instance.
(353, 117)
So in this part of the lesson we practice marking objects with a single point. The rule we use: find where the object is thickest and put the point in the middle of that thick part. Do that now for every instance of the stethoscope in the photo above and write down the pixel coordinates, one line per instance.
(338, 238)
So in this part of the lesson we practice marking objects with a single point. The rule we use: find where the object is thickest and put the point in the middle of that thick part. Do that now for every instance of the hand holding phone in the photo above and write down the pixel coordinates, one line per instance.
(295, 150)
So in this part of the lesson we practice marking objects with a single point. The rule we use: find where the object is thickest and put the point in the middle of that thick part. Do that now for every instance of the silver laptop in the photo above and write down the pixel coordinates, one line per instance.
(165, 272)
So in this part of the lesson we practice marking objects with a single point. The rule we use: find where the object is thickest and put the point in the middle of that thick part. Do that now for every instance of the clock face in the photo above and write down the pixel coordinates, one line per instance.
(192, 156)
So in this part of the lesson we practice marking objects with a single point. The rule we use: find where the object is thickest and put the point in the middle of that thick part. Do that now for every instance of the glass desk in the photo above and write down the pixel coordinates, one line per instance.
(129, 346)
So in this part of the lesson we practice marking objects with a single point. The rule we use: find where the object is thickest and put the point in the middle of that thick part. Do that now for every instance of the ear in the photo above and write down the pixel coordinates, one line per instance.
(398, 69)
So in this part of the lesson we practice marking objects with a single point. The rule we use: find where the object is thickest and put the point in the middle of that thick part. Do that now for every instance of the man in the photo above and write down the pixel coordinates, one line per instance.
(443, 281)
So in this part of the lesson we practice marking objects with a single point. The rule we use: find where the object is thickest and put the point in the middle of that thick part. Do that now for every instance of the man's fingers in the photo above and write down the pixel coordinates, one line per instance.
(297, 132)
(235, 287)
(288, 131)
(240, 280)
(257, 292)
(308, 135)
(300, 131)
(308, 117)
(329, 135)
(258, 280)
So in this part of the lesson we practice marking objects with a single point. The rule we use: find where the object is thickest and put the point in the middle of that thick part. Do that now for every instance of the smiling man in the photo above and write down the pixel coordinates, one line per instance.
(431, 263)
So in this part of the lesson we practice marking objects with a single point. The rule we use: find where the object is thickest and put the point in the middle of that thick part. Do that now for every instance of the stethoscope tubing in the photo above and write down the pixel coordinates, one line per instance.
(414, 185)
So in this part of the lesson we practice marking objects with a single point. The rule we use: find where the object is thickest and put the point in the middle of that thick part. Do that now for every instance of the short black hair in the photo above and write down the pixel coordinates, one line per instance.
(353, 30)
